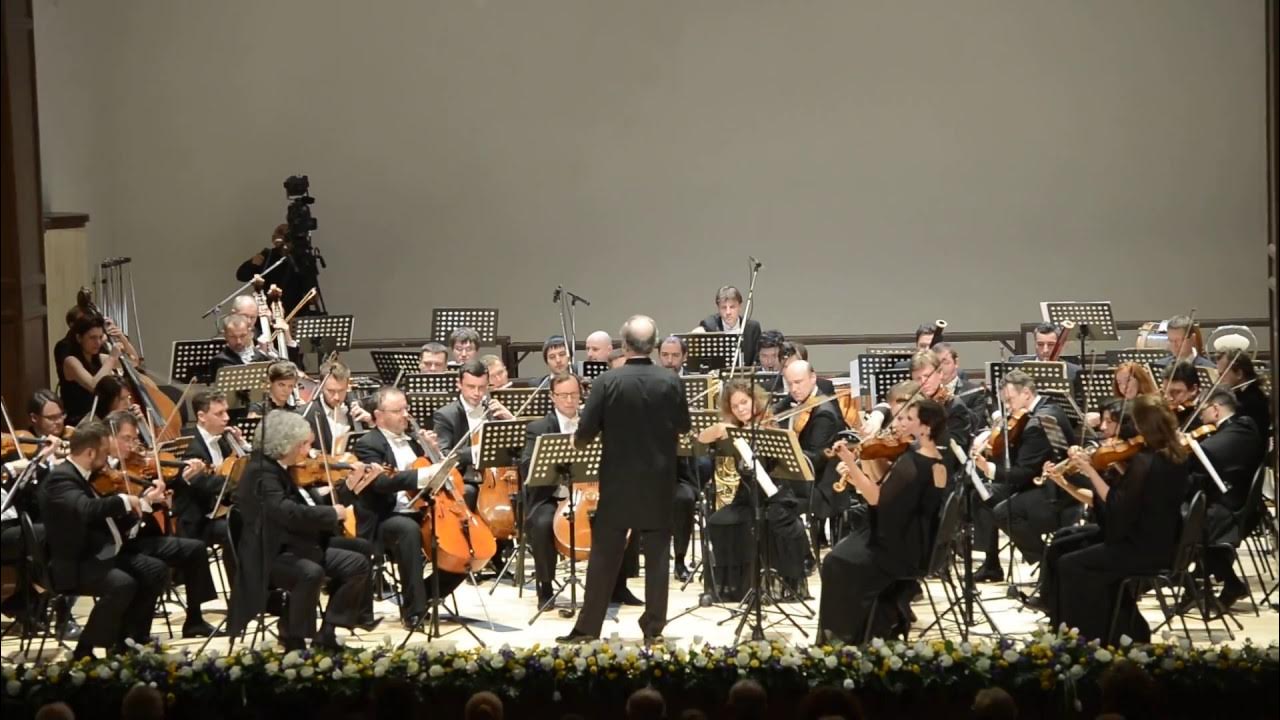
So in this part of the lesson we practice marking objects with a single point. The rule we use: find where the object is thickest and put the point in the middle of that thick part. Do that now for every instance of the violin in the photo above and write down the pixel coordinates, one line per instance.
(143, 464)
(996, 442)
(323, 470)
(113, 481)
(9, 442)
(463, 542)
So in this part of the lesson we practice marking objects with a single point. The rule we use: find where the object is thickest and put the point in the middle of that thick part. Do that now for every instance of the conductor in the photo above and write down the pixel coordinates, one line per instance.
(641, 409)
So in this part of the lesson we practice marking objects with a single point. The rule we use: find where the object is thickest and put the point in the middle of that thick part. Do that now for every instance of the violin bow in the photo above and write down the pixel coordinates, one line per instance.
(13, 430)
(1204, 400)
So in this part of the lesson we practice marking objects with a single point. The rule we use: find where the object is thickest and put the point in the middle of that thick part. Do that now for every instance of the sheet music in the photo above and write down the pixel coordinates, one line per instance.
(1204, 460)
(974, 478)
(762, 477)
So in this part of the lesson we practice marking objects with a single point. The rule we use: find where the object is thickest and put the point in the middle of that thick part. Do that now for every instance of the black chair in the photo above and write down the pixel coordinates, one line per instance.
(47, 598)
(936, 568)
(1243, 522)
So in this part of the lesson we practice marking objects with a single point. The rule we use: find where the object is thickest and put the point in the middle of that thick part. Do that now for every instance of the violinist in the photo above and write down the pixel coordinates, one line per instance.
(555, 353)
(926, 369)
(80, 370)
(1023, 510)
(672, 354)
(434, 358)
(339, 414)
(462, 417)
(1235, 453)
(499, 378)
(464, 343)
(728, 318)
(902, 511)
(1134, 379)
(791, 352)
(187, 555)
(384, 514)
(282, 378)
(194, 500)
(1182, 391)
(1183, 335)
(47, 425)
(969, 392)
(111, 395)
(247, 306)
(90, 557)
(816, 430)
(1239, 375)
(732, 528)
(285, 543)
(237, 331)
(1141, 516)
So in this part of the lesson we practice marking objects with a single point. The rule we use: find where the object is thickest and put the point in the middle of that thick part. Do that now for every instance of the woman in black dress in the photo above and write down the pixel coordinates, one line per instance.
(80, 370)
(902, 510)
(732, 528)
(1140, 516)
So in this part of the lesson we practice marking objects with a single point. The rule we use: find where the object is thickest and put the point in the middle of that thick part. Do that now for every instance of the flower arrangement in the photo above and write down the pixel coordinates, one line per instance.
(1051, 661)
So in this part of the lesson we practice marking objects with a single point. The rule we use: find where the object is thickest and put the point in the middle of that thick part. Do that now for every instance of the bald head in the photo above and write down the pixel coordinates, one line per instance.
(801, 379)
(245, 305)
(599, 344)
(639, 335)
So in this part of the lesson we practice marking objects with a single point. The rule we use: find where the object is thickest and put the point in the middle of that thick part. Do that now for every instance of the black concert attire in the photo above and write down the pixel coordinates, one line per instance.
(1140, 523)
(195, 500)
(292, 283)
(266, 405)
(540, 505)
(686, 500)
(750, 335)
(641, 409)
(329, 423)
(1254, 404)
(732, 532)
(226, 357)
(895, 546)
(1196, 359)
(451, 423)
(1235, 454)
(284, 543)
(1021, 509)
(76, 401)
(816, 434)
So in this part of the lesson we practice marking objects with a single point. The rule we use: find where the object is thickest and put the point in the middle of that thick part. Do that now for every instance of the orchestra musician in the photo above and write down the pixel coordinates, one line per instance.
(555, 353)
(769, 352)
(284, 543)
(1182, 391)
(282, 379)
(926, 370)
(1237, 373)
(1179, 330)
(599, 345)
(384, 515)
(464, 343)
(247, 306)
(1140, 514)
(617, 358)
(672, 354)
(237, 331)
(1046, 337)
(641, 410)
(337, 415)
(1022, 509)
(732, 528)
(112, 394)
(434, 358)
(902, 512)
(816, 431)
(728, 318)
(80, 369)
(91, 556)
(187, 555)
(196, 500)
(462, 418)
(924, 335)
(969, 392)
(499, 379)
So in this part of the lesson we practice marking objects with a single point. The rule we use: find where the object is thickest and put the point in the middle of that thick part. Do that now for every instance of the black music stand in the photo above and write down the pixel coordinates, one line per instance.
(1058, 392)
(699, 391)
(501, 444)
(514, 398)
(883, 381)
(592, 369)
(711, 350)
(324, 333)
(483, 320)
(783, 447)
(1093, 319)
(240, 380)
(1096, 387)
(416, 382)
(901, 352)
(1208, 377)
(248, 426)
(688, 446)
(869, 364)
(1153, 358)
(556, 461)
(700, 420)
(423, 406)
(190, 358)
(391, 364)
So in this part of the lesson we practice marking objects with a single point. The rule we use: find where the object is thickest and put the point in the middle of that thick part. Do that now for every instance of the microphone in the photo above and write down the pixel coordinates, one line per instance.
(755, 264)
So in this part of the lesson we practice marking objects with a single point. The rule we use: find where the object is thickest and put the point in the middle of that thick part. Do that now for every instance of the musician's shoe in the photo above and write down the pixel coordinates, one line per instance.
(1232, 592)
(545, 593)
(683, 573)
(411, 622)
(576, 638)
(654, 640)
(201, 629)
(626, 597)
(326, 640)
(68, 629)
(989, 573)
(368, 624)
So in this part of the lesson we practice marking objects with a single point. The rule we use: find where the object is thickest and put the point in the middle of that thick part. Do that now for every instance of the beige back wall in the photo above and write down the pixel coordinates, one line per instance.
(942, 159)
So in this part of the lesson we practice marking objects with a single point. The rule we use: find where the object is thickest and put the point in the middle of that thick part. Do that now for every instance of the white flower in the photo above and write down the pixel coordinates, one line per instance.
(292, 658)
(290, 674)
(742, 660)
(1168, 664)
(1211, 657)
(272, 667)
(877, 643)
(307, 671)
(1125, 641)
(1102, 655)
(324, 664)
(831, 661)
(517, 674)
(946, 661)
(497, 663)
(848, 683)
(580, 664)
(349, 670)
(435, 671)
(697, 639)
(1011, 656)
(220, 663)
(866, 667)
(966, 649)
(337, 675)
(885, 651)
(472, 668)
(379, 670)
(77, 677)
(895, 663)
(235, 673)
(547, 662)
(103, 672)
(983, 665)
(1076, 672)
(53, 673)
(185, 672)
(698, 661)
(411, 667)
(926, 653)
(1139, 656)
(13, 687)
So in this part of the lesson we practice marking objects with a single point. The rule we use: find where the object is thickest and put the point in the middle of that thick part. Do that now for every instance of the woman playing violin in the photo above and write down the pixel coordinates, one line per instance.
(732, 527)
(1139, 514)
(902, 513)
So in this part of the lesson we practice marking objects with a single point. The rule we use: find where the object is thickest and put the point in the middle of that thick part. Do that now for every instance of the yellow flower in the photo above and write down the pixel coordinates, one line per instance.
(559, 665)
(593, 670)
(755, 663)
(657, 672)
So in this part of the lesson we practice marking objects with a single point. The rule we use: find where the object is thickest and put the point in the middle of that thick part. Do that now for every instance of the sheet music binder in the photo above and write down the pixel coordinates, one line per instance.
(392, 363)
(501, 443)
(190, 358)
(317, 328)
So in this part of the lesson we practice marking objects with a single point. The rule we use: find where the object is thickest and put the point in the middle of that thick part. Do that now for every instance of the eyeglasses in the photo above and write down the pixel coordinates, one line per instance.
(568, 395)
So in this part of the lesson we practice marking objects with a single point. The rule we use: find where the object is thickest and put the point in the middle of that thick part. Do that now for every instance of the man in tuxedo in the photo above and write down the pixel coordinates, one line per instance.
(1024, 510)
(434, 358)
(1235, 454)
(462, 417)
(464, 343)
(237, 330)
(284, 543)
(384, 515)
(1178, 330)
(599, 345)
(1046, 339)
(330, 414)
(926, 369)
(555, 353)
(816, 431)
(214, 440)
(91, 556)
(672, 354)
(641, 410)
(245, 305)
(1237, 373)
(728, 318)
(969, 392)
(769, 351)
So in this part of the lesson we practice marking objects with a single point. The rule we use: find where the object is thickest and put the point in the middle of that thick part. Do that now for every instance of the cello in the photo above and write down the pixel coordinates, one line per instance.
(463, 543)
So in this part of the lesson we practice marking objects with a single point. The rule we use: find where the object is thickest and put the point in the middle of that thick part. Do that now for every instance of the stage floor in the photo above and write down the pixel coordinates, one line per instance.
(498, 616)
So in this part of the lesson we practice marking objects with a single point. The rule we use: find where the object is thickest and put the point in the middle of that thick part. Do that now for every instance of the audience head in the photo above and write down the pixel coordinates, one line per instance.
(142, 702)
(484, 705)
(748, 700)
(646, 704)
(829, 702)
(1129, 691)
(994, 703)
(55, 711)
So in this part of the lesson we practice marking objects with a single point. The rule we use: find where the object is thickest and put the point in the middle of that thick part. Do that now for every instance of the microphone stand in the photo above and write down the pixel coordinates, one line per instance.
(568, 324)
(216, 310)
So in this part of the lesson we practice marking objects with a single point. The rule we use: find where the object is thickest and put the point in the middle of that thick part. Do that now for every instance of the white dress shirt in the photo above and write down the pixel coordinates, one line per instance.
(111, 522)
(215, 447)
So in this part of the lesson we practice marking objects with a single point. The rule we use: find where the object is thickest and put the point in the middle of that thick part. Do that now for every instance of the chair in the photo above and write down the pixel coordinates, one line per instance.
(235, 528)
(41, 580)
(1243, 522)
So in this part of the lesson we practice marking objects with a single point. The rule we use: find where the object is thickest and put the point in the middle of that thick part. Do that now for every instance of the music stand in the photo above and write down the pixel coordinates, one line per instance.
(556, 461)
(1097, 387)
(592, 369)
(483, 320)
(699, 420)
(423, 406)
(242, 378)
(1208, 377)
(711, 350)
(190, 358)
(1153, 358)
(868, 364)
(1058, 392)
(392, 363)
(882, 382)
(316, 329)
(501, 444)
(248, 426)
(417, 382)
(699, 391)
(902, 352)
(514, 398)
(1093, 319)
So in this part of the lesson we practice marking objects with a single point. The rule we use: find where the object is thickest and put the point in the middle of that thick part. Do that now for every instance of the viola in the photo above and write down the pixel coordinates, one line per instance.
(1115, 451)
(113, 481)
(9, 442)
(996, 443)
(143, 464)
(324, 470)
